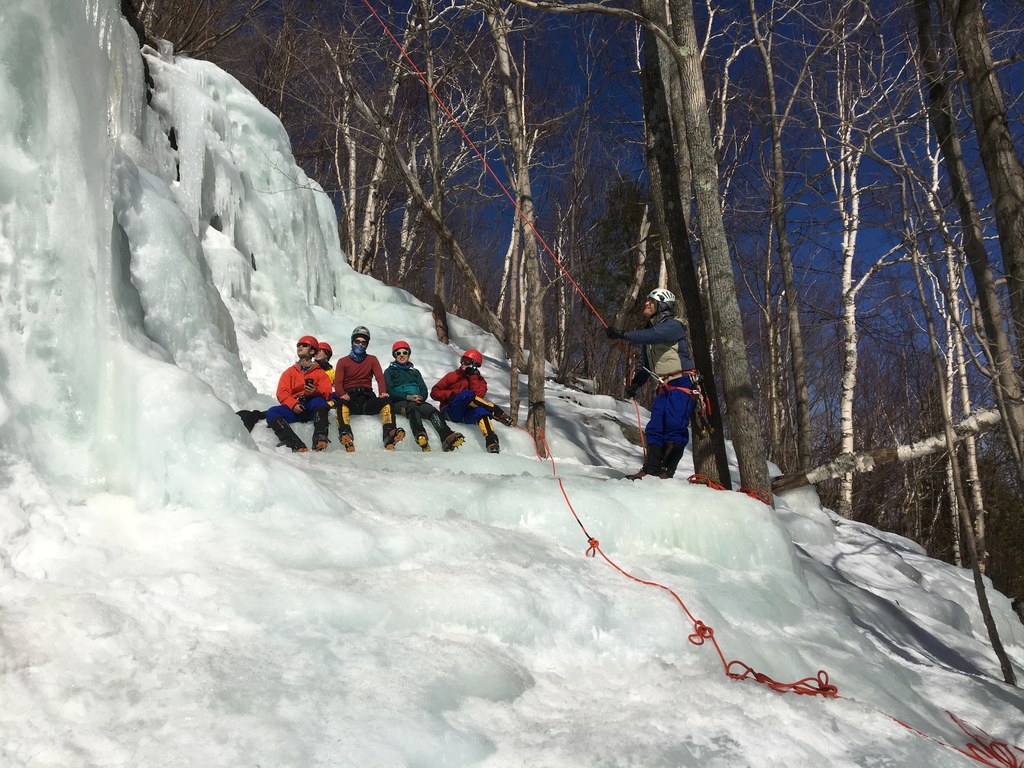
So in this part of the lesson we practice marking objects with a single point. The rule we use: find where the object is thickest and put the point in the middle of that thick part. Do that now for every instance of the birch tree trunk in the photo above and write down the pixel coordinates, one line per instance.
(498, 22)
(968, 523)
(998, 348)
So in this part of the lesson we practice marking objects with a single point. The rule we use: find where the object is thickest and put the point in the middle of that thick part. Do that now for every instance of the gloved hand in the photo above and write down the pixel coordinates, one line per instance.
(612, 332)
(631, 392)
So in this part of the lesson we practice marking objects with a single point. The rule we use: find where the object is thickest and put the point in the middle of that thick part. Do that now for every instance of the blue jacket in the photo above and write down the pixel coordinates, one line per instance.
(664, 349)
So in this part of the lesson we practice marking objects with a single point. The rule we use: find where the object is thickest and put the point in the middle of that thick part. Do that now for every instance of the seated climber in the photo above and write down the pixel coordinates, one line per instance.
(303, 391)
(409, 398)
(353, 376)
(461, 395)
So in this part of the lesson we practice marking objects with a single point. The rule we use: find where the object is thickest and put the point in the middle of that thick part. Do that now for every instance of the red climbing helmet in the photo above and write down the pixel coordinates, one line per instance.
(473, 357)
(400, 345)
(325, 347)
(309, 341)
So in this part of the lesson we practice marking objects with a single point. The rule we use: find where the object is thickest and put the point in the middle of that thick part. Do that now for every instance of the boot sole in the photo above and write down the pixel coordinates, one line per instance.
(451, 446)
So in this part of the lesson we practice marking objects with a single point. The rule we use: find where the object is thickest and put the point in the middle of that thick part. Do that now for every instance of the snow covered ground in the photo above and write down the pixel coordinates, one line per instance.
(176, 592)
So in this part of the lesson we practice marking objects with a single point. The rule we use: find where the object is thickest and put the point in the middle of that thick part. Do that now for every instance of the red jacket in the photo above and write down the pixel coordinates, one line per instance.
(456, 381)
(350, 374)
(293, 384)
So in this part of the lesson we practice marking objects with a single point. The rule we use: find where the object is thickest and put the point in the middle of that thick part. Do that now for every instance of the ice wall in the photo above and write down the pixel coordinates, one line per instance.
(125, 255)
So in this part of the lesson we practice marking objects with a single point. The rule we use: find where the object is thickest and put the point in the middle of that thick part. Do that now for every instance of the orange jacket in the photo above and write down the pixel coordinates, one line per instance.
(293, 384)
(454, 382)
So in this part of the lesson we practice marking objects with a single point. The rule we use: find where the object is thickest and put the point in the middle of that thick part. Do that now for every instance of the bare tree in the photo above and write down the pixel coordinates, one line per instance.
(998, 155)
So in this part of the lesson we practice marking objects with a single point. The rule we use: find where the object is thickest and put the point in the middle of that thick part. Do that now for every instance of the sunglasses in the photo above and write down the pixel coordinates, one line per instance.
(470, 363)
(360, 342)
(307, 346)
(402, 353)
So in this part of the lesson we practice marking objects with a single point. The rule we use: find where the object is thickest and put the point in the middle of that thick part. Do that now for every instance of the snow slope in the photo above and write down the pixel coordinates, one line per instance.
(177, 592)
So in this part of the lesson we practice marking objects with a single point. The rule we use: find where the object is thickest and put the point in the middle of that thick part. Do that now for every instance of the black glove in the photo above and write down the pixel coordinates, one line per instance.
(612, 332)
(631, 392)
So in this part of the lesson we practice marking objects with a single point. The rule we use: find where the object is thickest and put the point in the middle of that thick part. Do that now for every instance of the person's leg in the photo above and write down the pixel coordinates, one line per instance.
(411, 411)
(392, 434)
(280, 418)
(679, 409)
(456, 408)
(493, 410)
(490, 439)
(654, 435)
(321, 426)
(450, 440)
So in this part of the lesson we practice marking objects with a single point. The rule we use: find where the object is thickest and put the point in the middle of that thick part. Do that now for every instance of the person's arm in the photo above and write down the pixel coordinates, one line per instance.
(378, 375)
(670, 330)
(445, 389)
(421, 386)
(339, 379)
(323, 383)
(479, 385)
(285, 396)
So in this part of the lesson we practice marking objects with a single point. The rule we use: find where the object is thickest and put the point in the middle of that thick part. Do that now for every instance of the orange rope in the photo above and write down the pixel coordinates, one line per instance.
(701, 632)
(986, 750)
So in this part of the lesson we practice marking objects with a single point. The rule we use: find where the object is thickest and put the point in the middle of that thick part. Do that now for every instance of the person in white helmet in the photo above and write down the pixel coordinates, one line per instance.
(665, 355)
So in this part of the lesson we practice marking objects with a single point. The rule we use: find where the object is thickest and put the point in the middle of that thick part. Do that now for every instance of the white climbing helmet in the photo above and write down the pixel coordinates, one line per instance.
(664, 298)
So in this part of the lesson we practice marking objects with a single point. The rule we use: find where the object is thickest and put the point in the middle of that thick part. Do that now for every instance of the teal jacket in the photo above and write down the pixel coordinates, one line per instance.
(403, 380)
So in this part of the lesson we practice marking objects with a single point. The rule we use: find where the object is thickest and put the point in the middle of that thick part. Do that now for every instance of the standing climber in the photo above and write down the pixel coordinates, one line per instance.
(461, 395)
(665, 354)
(302, 390)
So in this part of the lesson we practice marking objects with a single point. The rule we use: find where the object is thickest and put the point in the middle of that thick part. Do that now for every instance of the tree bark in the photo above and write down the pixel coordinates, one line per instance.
(661, 161)
(732, 352)
(522, 187)
(777, 208)
(866, 461)
(998, 155)
(998, 349)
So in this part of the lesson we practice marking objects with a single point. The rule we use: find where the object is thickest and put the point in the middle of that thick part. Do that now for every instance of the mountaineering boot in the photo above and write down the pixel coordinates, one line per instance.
(392, 436)
(673, 453)
(286, 435)
(451, 441)
(490, 439)
(320, 429)
(251, 418)
(501, 417)
(652, 464)
(423, 443)
(345, 429)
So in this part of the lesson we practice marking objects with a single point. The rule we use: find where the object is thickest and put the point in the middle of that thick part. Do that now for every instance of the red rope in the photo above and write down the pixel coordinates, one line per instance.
(754, 493)
(701, 632)
(985, 749)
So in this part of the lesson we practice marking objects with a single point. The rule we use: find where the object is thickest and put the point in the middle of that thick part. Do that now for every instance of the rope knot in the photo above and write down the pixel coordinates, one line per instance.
(594, 546)
(701, 632)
